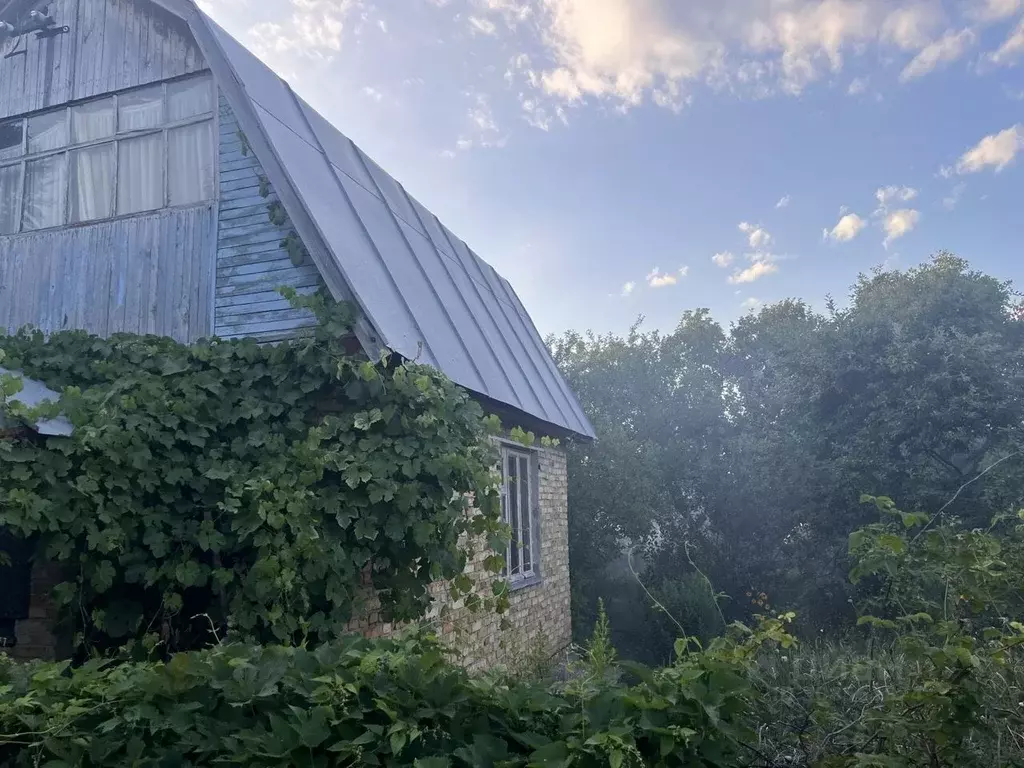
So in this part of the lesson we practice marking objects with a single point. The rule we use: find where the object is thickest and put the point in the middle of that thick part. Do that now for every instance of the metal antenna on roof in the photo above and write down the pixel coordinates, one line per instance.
(22, 18)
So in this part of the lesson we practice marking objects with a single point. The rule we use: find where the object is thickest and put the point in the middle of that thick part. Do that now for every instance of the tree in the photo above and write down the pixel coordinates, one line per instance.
(745, 454)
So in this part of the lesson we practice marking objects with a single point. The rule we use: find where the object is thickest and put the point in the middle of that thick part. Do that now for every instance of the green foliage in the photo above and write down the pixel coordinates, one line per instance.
(292, 244)
(277, 214)
(747, 449)
(939, 678)
(244, 489)
(357, 702)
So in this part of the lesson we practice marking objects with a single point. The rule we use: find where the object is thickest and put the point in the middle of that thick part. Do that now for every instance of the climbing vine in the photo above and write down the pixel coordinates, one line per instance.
(232, 488)
(278, 216)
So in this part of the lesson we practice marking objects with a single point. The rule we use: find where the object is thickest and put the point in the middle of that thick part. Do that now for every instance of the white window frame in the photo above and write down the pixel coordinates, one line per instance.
(524, 519)
(165, 127)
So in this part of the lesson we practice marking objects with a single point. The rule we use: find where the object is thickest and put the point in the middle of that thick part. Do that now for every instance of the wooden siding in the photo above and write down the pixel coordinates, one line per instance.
(251, 264)
(112, 45)
(146, 274)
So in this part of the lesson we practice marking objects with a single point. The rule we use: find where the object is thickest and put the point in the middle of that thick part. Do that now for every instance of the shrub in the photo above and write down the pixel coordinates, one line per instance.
(359, 702)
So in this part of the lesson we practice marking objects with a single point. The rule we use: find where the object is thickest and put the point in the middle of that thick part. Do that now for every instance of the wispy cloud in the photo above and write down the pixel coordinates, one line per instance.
(658, 279)
(996, 151)
(887, 195)
(628, 288)
(751, 303)
(950, 201)
(756, 236)
(784, 202)
(857, 86)
(723, 259)
(482, 26)
(1011, 50)
(945, 50)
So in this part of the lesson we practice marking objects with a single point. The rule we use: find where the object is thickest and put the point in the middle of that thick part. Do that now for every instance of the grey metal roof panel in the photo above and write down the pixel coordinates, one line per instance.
(33, 394)
(426, 294)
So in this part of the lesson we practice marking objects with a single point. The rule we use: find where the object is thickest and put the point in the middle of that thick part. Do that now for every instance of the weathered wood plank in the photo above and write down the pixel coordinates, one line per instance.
(112, 45)
(139, 274)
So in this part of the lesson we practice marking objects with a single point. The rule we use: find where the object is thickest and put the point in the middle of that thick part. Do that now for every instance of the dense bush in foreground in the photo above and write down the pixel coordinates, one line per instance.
(936, 678)
(356, 702)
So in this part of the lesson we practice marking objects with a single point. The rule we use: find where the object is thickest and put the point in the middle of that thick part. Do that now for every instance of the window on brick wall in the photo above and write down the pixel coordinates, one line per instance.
(140, 150)
(520, 510)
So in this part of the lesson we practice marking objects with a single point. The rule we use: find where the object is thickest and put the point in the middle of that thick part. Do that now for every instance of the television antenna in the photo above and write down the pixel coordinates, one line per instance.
(19, 18)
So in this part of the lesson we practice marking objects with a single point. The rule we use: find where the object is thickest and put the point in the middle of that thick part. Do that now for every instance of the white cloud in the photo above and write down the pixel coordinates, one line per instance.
(628, 288)
(996, 151)
(945, 50)
(784, 202)
(478, 25)
(684, 271)
(632, 51)
(857, 86)
(761, 266)
(723, 259)
(659, 279)
(756, 236)
(1011, 49)
(751, 303)
(886, 195)
(994, 10)
(848, 227)
(373, 93)
(513, 11)
(912, 27)
(313, 30)
(898, 223)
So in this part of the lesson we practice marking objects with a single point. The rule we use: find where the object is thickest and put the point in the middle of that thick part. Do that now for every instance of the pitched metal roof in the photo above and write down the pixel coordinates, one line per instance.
(34, 393)
(425, 294)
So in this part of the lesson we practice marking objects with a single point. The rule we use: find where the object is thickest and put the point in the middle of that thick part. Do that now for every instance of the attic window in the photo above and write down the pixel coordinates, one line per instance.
(142, 150)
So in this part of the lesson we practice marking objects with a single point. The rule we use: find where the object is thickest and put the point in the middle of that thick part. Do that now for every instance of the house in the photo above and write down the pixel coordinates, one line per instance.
(156, 177)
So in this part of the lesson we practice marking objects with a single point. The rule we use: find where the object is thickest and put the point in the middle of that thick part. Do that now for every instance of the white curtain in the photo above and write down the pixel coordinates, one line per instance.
(92, 183)
(189, 98)
(92, 121)
(190, 160)
(140, 174)
(45, 181)
(49, 131)
(10, 181)
(140, 110)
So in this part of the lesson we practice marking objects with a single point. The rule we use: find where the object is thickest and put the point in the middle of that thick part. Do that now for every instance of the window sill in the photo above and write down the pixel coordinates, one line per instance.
(520, 584)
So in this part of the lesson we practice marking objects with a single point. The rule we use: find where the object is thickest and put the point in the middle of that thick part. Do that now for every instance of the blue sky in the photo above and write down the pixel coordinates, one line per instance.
(614, 158)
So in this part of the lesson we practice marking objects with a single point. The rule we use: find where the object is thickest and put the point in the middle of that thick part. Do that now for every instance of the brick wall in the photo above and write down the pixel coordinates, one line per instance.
(538, 614)
(37, 638)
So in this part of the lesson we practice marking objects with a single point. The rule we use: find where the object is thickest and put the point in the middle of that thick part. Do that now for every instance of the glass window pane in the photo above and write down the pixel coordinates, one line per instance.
(92, 183)
(140, 110)
(11, 135)
(49, 131)
(45, 181)
(527, 517)
(92, 121)
(10, 198)
(140, 174)
(190, 164)
(512, 489)
(188, 98)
